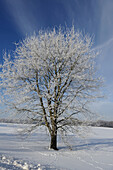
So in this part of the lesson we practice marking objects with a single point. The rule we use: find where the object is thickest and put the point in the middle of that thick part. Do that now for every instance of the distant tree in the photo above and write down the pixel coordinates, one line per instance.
(50, 78)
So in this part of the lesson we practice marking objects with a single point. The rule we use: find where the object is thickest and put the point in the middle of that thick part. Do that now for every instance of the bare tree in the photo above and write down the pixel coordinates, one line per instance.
(50, 78)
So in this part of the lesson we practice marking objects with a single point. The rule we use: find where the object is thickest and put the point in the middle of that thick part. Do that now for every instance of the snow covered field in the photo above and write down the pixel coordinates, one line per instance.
(92, 153)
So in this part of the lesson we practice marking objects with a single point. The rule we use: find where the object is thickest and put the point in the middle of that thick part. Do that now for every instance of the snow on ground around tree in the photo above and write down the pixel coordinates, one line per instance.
(18, 152)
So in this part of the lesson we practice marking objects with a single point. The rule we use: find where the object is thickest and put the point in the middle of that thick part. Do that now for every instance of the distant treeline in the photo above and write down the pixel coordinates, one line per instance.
(99, 123)
(17, 121)
(102, 123)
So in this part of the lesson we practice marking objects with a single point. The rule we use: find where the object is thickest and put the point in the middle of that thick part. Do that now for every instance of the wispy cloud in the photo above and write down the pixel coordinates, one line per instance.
(104, 45)
(104, 109)
(106, 20)
(22, 15)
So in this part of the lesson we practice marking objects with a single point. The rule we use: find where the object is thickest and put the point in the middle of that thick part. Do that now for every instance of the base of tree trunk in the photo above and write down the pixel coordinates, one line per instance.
(56, 149)
(53, 142)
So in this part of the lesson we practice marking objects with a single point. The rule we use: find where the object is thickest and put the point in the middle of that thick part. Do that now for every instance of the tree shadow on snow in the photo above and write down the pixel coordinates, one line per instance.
(95, 144)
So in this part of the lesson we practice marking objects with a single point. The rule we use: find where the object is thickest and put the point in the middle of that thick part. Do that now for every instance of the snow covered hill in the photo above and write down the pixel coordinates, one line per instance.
(19, 152)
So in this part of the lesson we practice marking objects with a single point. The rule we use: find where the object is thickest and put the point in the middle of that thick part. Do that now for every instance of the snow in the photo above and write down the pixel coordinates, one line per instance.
(19, 152)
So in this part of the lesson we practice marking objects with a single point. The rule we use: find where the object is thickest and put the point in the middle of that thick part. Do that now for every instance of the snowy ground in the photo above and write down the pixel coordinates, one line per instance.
(17, 152)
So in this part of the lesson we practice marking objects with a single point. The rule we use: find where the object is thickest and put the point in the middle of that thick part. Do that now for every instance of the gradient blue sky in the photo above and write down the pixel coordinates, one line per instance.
(19, 18)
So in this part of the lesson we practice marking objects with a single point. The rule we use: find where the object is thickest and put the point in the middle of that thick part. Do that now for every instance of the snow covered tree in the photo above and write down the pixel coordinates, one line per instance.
(50, 78)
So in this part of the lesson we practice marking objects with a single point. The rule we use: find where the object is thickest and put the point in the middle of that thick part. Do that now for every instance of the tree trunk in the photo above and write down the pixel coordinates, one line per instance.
(53, 144)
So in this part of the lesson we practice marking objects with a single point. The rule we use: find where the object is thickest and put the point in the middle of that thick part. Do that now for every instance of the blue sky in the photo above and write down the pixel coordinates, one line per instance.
(19, 18)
